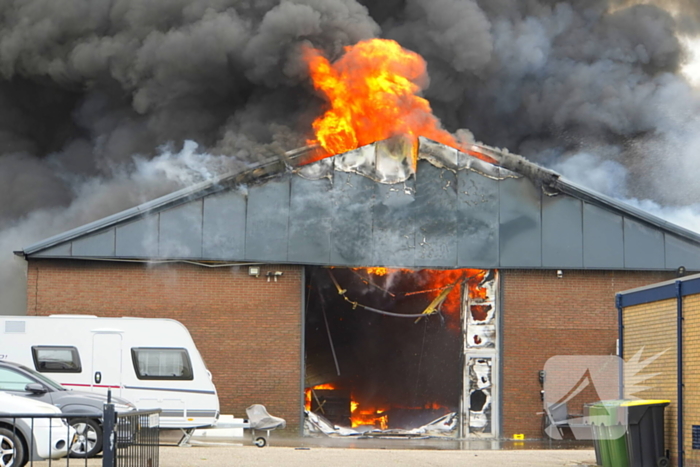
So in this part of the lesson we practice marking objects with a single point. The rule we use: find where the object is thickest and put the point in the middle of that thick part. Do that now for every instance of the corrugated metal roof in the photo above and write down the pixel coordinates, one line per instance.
(377, 206)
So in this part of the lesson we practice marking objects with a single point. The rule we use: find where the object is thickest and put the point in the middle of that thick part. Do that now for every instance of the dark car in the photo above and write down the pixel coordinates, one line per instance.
(22, 381)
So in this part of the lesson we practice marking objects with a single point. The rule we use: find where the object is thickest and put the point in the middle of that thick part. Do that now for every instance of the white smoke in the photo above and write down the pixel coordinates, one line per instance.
(129, 185)
(610, 178)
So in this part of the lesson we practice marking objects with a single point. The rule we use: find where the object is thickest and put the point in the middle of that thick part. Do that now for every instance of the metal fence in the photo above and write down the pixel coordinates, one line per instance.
(129, 439)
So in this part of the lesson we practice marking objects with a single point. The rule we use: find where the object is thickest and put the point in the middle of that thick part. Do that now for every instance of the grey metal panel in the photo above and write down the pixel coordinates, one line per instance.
(99, 244)
(351, 229)
(310, 209)
(267, 220)
(562, 232)
(520, 224)
(394, 224)
(477, 220)
(181, 231)
(63, 249)
(603, 243)
(436, 216)
(138, 239)
(223, 234)
(681, 253)
(644, 246)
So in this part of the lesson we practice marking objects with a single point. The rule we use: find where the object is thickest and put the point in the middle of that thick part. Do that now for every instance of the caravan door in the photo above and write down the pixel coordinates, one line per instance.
(107, 364)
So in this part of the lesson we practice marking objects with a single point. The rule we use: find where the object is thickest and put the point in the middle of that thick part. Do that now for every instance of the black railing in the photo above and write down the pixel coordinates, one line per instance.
(129, 439)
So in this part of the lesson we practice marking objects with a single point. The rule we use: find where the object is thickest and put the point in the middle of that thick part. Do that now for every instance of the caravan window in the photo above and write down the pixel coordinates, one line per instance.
(161, 363)
(56, 359)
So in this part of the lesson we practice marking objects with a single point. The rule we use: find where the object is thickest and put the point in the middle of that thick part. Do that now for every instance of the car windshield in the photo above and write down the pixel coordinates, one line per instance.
(47, 381)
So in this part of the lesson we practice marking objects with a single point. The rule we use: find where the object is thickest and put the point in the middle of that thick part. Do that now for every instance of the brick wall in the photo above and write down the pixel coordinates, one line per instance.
(651, 327)
(691, 376)
(544, 316)
(248, 330)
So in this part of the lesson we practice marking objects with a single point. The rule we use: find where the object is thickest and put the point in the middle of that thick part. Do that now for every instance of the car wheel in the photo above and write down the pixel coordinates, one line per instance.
(89, 440)
(11, 449)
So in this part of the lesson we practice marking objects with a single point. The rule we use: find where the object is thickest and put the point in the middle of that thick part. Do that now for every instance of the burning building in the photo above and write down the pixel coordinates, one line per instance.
(382, 287)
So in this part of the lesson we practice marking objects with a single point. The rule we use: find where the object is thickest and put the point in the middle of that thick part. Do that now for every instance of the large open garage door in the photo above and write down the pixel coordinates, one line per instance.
(390, 349)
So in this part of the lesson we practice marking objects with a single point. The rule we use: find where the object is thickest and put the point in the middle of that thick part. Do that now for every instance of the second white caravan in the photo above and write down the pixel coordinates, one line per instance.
(152, 362)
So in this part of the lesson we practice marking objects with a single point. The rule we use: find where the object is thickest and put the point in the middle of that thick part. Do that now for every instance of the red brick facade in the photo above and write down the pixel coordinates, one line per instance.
(543, 316)
(247, 329)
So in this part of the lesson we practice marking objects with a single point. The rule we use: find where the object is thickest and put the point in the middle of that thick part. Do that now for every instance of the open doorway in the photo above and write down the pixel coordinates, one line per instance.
(385, 347)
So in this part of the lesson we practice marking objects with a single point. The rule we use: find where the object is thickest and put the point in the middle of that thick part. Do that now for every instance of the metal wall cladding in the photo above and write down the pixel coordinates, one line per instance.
(180, 231)
(603, 241)
(394, 224)
(477, 220)
(267, 219)
(520, 236)
(138, 239)
(644, 246)
(562, 232)
(99, 244)
(224, 225)
(310, 220)
(351, 225)
(681, 253)
(438, 218)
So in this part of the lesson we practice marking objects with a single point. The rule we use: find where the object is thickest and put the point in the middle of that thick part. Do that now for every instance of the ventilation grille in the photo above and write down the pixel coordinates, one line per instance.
(15, 326)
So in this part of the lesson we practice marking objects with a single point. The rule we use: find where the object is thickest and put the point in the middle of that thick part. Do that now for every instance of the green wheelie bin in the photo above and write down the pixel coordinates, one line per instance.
(609, 423)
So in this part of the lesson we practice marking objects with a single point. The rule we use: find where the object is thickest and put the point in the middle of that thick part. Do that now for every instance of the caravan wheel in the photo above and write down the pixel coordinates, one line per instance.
(89, 439)
(260, 442)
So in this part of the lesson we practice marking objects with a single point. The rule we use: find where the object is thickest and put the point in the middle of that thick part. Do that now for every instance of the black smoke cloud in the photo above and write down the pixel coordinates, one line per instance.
(99, 97)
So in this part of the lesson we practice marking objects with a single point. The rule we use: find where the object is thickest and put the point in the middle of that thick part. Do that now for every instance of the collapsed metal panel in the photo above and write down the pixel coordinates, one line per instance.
(436, 216)
(138, 239)
(481, 350)
(644, 246)
(521, 226)
(224, 226)
(310, 213)
(603, 242)
(477, 220)
(562, 232)
(181, 231)
(99, 244)
(681, 253)
(351, 230)
(480, 387)
(267, 219)
(393, 220)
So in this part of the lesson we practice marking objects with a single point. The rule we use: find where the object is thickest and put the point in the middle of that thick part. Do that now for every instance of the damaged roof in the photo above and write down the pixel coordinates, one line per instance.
(392, 203)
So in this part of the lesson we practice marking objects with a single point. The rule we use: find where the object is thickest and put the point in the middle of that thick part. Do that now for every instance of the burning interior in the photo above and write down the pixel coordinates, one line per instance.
(385, 348)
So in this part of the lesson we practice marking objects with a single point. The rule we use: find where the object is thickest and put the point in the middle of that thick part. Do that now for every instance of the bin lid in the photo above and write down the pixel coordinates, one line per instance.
(645, 402)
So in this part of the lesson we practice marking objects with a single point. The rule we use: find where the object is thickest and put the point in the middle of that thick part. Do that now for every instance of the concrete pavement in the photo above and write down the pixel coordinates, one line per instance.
(274, 456)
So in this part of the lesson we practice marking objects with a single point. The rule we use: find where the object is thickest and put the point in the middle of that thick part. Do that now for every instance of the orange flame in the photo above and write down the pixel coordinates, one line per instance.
(368, 416)
(307, 393)
(372, 94)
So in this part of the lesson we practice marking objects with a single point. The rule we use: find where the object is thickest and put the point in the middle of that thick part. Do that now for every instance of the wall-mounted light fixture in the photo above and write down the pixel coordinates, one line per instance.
(274, 274)
(254, 271)
(560, 273)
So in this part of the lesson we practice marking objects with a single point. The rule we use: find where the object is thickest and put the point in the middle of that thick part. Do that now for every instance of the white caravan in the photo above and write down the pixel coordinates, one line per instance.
(150, 362)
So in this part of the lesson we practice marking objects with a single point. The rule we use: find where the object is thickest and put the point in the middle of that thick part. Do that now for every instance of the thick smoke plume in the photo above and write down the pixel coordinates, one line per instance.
(96, 95)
